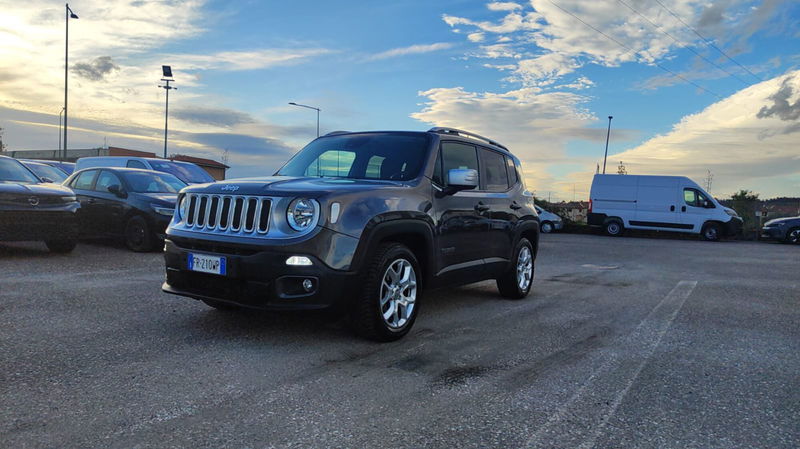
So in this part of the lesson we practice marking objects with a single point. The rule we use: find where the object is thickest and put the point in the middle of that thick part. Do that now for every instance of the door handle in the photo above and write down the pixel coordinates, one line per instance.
(480, 207)
(672, 208)
(683, 208)
(515, 206)
(91, 201)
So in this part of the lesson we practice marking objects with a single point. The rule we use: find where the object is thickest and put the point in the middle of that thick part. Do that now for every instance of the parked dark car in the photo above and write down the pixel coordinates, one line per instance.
(32, 210)
(45, 172)
(362, 222)
(130, 203)
(66, 167)
(782, 229)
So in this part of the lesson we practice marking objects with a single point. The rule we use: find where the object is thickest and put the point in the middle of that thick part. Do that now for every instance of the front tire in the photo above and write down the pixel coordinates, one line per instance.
(388, 303)
(547, 227)
(138, 236)
(517, 281)
(61, 246)
(711, 232)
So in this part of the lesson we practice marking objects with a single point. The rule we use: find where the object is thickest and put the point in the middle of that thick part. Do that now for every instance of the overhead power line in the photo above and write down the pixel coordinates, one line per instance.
(708, 41)
(630, 50)
(681, 44)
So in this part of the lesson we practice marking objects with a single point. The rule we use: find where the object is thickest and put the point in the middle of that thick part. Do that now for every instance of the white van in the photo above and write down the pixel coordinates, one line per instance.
(662, 203)
(185, 171)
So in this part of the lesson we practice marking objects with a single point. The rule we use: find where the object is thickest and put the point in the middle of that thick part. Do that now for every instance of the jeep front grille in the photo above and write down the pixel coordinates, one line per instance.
(230, 214)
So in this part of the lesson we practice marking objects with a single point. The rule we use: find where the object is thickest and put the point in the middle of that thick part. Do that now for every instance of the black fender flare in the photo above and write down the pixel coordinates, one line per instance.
(383, 227)
(528, 228)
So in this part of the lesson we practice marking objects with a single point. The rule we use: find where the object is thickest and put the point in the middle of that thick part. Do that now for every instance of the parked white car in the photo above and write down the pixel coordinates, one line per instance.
(548, 221)
(663, 203)
(185, 171)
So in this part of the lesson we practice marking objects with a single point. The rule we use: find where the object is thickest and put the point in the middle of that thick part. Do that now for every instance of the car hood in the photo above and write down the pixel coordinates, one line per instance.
(781, 220)
(164, 198)
(43, 189)
(283, 185)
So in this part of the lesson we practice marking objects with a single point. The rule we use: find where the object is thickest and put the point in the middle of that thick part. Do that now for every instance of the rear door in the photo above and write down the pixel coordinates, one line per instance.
(500, 215)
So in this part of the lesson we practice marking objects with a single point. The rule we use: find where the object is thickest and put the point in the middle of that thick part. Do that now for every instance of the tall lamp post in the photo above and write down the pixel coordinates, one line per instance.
(69, 15)
(608, 134)
(60, 156)
(167, 72)
(309, 107)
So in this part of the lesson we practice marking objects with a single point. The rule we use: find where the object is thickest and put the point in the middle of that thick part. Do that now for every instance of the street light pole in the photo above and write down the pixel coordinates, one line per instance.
(69, 15)
(309, 107)
(608, 134)
(167, 72)
(60, 156)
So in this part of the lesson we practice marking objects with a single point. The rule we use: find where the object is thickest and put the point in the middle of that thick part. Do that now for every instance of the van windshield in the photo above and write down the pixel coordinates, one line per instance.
(185, 171)
(386, 156)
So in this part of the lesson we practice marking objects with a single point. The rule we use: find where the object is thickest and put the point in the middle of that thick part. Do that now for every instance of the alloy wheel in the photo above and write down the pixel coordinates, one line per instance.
(398, 293)
(524, 268)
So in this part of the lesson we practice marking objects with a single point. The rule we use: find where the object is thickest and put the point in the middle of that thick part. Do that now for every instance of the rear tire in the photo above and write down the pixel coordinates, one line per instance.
(516, 283)
(61, 246)
(614, 228)
(793, 236)
(547, 227)
(138, 236)
(711, 232)
(391, 286)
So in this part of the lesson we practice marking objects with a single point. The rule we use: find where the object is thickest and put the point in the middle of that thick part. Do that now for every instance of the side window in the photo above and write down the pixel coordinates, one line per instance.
(106, 179)
(84, 180)
(458, 155)
(690, 197)
(437, 170)
(331, 163)
(135, 164)
(494, 173)
(512, 171)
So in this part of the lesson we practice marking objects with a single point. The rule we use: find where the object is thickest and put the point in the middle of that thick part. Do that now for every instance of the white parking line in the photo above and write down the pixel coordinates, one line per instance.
(606, 387)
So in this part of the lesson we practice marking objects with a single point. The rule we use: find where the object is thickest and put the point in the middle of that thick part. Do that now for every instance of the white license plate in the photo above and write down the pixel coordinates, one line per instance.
(206, 264)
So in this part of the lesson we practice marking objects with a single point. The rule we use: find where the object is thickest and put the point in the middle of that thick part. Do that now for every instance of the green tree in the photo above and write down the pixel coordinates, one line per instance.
(745, 203)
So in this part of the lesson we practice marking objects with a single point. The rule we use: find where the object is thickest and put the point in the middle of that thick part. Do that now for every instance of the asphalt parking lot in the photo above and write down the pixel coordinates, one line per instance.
(624, 342)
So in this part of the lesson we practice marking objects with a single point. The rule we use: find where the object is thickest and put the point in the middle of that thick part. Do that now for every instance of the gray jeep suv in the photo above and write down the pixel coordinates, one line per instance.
(362, 222)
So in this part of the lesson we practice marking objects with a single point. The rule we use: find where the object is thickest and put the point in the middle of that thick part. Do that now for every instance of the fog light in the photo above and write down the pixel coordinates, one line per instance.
(308, 284)
(298, 261)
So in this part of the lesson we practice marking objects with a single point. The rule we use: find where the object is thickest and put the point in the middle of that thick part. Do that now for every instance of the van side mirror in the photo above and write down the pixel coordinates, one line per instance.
(117, 190)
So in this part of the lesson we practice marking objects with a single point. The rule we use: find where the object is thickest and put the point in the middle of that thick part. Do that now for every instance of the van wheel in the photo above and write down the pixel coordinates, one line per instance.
(517, 281)
(60, 246)
(793, 236)
(711, 232)
(137, 235)
(388, 303)
(547, 227)
(614, 228)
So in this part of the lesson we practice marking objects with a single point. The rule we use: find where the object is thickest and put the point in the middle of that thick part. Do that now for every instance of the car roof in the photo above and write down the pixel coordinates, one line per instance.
(449, 133)
(123, 170)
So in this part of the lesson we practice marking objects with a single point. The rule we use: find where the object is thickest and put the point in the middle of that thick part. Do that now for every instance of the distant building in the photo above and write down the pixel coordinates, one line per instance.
(214, 168)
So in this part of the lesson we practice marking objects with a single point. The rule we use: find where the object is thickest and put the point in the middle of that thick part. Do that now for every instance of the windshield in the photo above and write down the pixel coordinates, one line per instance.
(12, 171)
(188, 172)
(47, 171)
(144, 182)
(395, 156)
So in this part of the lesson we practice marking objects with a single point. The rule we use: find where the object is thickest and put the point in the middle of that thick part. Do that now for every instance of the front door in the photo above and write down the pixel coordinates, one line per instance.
(694, 209)
(110, 209)
(83, 186)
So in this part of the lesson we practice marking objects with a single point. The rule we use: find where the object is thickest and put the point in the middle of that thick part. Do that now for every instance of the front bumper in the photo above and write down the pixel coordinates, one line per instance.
(774, 233)
(558, 225)
(733, 227)
(38, 224)
(257, 277)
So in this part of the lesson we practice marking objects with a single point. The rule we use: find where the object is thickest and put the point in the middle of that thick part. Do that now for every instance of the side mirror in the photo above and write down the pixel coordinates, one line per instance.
(117, 190)
(462, 179)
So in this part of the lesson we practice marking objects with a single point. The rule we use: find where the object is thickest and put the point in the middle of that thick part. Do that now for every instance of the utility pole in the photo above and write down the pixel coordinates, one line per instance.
(60, 156)
(608, 134)
(167, 72)
(69, 15)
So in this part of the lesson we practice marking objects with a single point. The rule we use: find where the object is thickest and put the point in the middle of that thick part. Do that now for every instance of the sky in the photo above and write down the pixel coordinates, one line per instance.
(693, 86)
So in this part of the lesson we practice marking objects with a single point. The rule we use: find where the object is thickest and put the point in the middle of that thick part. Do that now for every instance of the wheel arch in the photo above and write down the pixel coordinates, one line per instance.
(416, 234)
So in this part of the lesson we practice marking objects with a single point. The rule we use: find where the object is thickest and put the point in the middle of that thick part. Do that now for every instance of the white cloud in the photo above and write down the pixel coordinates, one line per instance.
(244, 60)
(411, 50)
(503, 6)
(476, 37)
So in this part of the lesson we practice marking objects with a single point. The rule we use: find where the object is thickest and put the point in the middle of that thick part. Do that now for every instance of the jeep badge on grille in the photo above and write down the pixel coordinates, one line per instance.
(230, 188)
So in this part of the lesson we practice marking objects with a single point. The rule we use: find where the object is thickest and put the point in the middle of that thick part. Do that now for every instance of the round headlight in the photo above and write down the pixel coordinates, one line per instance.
(302, 214)
(183, 207)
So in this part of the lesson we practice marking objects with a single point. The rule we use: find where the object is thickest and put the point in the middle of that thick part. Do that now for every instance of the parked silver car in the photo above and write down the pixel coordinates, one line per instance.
(549, 221)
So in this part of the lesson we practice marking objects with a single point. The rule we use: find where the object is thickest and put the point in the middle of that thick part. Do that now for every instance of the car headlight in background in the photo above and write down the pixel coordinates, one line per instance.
(302, 214)
(163, 210)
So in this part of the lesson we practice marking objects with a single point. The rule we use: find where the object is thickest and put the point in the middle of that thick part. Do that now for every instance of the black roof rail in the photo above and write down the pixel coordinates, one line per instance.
(461, 132)
(336, 133)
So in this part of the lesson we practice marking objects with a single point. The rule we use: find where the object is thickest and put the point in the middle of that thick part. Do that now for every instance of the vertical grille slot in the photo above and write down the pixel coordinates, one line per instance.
(213, 213)
(192, 207)
(250, 214)
(225, 213)
(238, 205)
(201, 212)
(263, 217)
